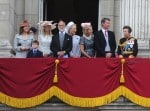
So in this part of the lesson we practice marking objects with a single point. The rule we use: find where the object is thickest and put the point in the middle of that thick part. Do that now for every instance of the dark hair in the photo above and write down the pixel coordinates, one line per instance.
(21, 30)
(129, 28)
(61, 20)
(104, 20)
(35, 42)
(33, 29)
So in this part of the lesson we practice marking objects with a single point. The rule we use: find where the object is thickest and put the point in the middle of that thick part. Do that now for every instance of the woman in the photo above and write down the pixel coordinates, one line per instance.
(45, 37)
(22, 41)
(71, 30)
(86, 42)
(128, 46)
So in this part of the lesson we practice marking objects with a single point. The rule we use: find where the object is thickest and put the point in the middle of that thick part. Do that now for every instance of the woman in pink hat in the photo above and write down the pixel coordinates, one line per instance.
(22, 41)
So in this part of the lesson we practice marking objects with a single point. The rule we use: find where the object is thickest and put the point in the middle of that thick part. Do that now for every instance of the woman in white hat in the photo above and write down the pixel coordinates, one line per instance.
(71, 30)
(86, 41)
(22, 41)
(45, 37)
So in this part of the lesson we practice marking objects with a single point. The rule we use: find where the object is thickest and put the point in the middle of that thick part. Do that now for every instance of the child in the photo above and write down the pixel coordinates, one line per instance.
(34, 52)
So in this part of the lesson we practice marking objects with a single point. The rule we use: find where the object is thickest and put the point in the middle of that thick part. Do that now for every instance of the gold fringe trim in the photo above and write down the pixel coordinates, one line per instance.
(139, 100)
(74, 101)
(26, 102)
(55, 91)
(87, 102)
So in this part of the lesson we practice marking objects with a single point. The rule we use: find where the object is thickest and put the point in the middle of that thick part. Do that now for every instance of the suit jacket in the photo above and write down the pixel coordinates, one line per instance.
(100, 43)
(38, 54)
(55, 45)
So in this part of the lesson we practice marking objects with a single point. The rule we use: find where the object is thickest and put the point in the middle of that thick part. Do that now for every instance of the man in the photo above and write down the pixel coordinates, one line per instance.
(104, 40)
(61, 43)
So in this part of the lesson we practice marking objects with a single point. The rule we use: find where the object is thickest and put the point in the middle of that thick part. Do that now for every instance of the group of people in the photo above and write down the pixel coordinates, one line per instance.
(67, 44)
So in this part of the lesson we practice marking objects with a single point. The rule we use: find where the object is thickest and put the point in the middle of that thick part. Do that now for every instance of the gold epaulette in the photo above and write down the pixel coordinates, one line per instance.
(132, 38)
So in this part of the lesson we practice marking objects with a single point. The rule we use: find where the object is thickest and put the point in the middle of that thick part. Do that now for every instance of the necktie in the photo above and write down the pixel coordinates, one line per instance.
(61, 39)
(34, 52)
(106, 34)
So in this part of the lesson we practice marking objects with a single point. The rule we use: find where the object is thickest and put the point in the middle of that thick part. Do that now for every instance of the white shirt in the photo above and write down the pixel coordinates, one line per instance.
(62, 32)
(44, 43)
(105, 32)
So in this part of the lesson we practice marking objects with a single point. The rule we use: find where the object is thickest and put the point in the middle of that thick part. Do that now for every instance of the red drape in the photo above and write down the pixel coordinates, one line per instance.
(25, 78)
(89, 77)
(137, 76)
(80, 77)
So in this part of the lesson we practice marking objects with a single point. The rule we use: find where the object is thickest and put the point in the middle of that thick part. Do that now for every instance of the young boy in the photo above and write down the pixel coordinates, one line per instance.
(34, 52)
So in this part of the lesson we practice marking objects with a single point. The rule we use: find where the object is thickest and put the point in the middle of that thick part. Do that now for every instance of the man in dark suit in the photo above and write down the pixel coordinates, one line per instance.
(104, 40)
(61, 44)
(35, 53)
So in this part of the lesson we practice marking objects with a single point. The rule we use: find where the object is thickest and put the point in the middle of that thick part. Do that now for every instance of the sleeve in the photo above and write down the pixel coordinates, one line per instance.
(135, 48)
(32, 39)
(119, 49)
(39, 39)
(69, 45)
(81, 41)
(53, 47)
(41, 54)
(113, 43)
(97, 45)
(17, 45)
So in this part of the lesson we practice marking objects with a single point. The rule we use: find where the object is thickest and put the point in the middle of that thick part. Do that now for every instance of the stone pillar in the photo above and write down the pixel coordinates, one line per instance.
(19, 13)
(32, 11)
(6, 26)
(41, 8)
(117, 20)
(106, 9)
(111, 9)
(136, 14)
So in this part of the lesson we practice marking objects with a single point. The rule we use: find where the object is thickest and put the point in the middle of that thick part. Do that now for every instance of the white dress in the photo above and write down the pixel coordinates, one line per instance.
(44, 43)
(19, 41)
(75, 52)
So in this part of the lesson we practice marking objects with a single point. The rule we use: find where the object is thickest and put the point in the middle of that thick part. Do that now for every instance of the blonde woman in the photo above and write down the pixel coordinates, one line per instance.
(86, 41)
(45, 37)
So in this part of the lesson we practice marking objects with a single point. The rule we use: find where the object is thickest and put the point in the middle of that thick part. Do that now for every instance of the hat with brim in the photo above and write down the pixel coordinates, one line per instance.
(86, 25)
(47, 23)
(68, 26)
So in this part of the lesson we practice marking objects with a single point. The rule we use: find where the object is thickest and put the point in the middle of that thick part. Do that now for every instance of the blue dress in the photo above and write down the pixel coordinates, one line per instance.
(20, 41)
(88, 45)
